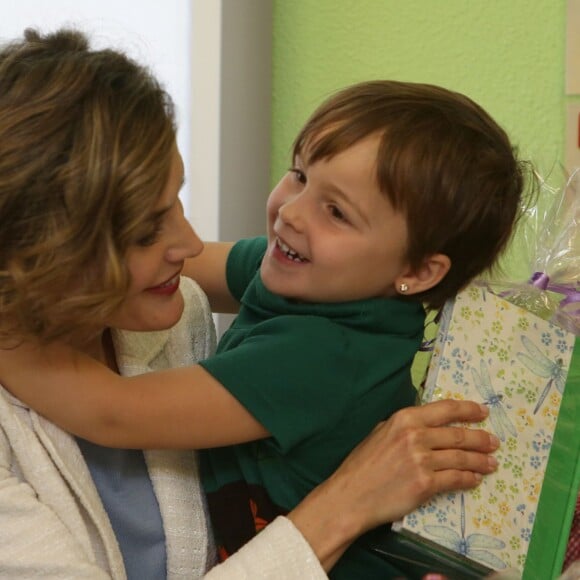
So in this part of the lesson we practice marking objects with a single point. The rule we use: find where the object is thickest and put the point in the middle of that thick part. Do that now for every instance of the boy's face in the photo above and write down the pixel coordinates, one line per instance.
(332, 235)
(154, 301)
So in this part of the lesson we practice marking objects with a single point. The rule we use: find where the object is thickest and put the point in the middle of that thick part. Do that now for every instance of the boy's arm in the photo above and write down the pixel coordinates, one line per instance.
(177, 408)
(208, 269)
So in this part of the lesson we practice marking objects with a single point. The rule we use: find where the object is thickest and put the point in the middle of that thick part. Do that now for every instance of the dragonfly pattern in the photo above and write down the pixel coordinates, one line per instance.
(498, 417)
(537, 362)
(475, 546)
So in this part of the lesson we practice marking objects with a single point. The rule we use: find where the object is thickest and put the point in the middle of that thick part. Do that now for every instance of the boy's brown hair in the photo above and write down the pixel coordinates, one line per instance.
(85, 147)
(442, 161)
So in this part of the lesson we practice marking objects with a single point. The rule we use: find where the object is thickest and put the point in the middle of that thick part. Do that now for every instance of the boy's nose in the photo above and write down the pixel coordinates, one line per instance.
(292, 214)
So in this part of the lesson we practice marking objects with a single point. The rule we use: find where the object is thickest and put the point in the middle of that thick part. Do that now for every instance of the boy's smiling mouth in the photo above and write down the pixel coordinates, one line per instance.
(289, 252)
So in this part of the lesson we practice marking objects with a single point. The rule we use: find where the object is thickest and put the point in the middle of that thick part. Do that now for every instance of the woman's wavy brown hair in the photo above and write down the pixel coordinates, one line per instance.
(85, 146)
(442, 160)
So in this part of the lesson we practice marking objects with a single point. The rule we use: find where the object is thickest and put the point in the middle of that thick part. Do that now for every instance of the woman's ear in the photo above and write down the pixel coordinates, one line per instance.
(429, 274)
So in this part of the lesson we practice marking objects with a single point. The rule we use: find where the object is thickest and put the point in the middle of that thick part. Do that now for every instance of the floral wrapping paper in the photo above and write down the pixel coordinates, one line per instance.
(491, 351)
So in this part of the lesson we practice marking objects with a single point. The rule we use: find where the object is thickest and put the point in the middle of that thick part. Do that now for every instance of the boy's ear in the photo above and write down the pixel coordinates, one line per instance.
(429, 274)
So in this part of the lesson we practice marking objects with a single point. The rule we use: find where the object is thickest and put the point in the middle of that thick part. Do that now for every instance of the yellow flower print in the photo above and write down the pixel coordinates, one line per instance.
(523, 419)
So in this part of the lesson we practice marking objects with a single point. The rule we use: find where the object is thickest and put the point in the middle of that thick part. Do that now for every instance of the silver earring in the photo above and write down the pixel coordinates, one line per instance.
(403, 287)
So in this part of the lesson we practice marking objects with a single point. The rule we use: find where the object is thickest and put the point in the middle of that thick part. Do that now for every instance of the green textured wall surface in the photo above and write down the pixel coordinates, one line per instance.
(508, 55)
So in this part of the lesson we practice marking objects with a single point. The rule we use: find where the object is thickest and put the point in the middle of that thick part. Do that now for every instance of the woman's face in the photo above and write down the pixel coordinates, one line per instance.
(154, 301)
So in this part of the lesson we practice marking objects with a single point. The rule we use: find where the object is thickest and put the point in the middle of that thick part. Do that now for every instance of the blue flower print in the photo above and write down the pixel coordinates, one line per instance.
(562, 346)
(445, 364)
(525, 534)
(462, 358)
(542, 441)
(546, 338)
(535, 461)
(412, 520)
(441, 516)
(457, 377)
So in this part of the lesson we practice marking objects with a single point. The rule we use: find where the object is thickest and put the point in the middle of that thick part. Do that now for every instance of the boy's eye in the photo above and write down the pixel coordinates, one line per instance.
(298, 174)
(337, 213)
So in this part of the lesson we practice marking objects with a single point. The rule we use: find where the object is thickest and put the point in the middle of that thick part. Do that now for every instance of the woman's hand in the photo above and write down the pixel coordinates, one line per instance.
(399, 466)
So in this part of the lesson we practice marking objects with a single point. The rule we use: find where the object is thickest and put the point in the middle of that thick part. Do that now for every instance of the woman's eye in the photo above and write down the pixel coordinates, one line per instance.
(298, 175)
(149, 239)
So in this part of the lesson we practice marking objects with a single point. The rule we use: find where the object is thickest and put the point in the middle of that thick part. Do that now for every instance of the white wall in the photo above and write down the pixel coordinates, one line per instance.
(214, 58)
(155, 33)
(231, 105)
(231, 96)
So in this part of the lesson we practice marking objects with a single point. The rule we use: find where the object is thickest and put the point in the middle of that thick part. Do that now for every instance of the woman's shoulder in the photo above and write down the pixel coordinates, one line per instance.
(196, 327)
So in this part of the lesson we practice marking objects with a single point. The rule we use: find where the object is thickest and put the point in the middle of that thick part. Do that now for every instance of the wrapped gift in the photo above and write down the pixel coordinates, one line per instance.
(491, 351)
(510, 348)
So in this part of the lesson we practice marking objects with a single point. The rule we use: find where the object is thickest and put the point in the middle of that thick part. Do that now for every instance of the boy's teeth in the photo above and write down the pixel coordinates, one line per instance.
(290, 253)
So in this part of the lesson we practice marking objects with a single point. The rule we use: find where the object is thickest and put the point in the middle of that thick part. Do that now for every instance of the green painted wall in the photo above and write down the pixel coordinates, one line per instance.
(508, 55)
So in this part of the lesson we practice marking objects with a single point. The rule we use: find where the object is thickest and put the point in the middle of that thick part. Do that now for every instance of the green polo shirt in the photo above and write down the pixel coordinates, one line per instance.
(319, 377)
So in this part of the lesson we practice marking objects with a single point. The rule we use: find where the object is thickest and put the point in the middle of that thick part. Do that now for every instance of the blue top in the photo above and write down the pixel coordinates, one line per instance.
(122, 480)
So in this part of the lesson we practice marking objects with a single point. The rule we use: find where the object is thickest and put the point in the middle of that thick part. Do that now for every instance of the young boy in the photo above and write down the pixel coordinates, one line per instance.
(398, 196)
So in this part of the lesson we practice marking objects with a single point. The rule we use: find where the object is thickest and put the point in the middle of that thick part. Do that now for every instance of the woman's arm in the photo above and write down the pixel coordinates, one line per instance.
(208, 269)
(400, 465)
(405, 461)
(279, 551)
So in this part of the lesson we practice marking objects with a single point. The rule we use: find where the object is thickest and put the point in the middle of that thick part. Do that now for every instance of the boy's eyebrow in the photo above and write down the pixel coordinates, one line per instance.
(333, 188)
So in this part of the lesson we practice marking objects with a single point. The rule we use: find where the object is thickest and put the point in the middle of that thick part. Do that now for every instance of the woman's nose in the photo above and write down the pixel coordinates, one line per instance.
(187, 243)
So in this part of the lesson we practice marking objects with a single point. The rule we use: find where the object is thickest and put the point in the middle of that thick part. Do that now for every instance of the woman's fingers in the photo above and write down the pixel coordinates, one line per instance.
(459, 438)
(453, 480)
(439, 413)
(463, 460)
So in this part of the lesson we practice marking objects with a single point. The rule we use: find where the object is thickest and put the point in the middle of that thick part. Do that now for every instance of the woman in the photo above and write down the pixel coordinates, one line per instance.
(92, 240)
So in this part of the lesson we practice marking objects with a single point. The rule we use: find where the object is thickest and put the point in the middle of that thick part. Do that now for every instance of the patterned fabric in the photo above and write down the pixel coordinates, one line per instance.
(573, 549)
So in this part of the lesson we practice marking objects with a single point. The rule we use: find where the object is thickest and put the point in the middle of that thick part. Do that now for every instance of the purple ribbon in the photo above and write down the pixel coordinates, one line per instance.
(542, 281)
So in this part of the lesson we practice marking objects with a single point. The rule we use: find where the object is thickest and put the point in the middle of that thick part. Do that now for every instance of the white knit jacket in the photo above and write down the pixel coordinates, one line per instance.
(52, 522)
